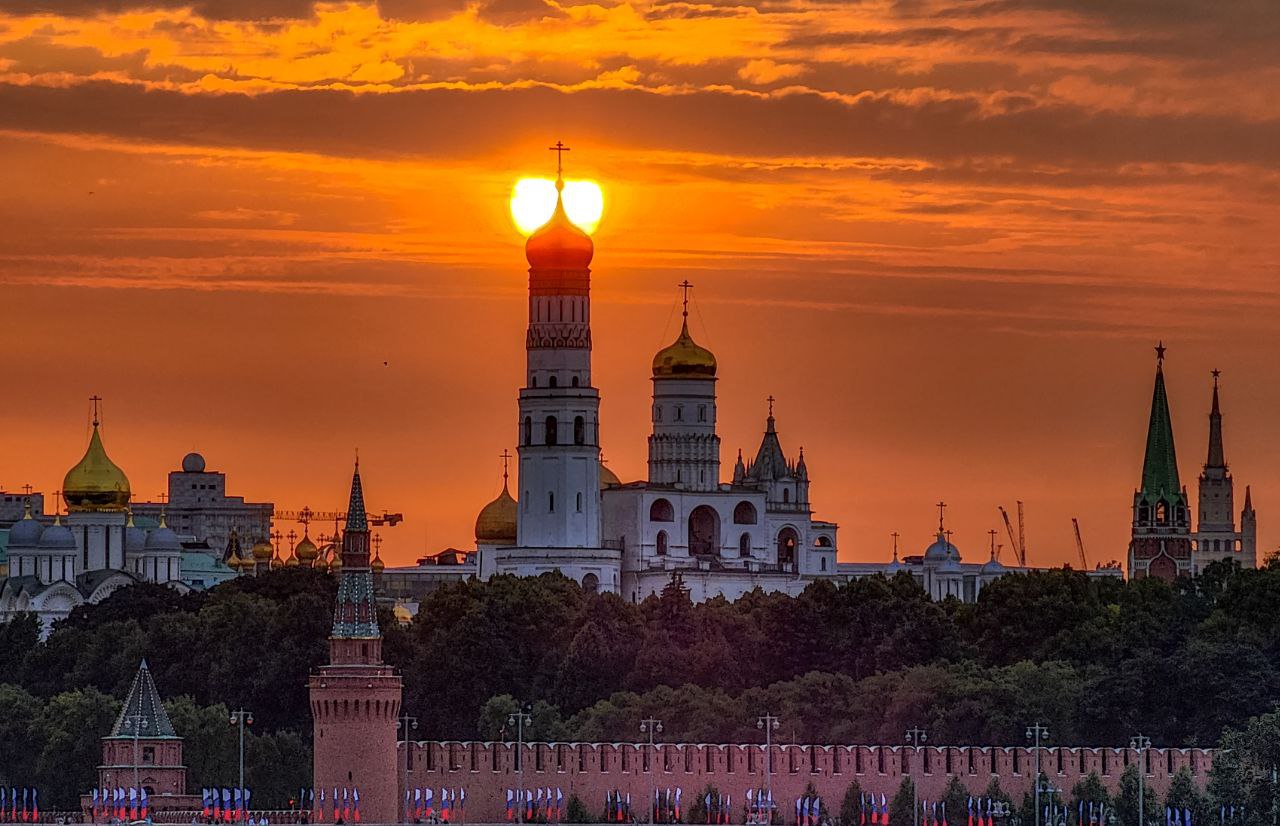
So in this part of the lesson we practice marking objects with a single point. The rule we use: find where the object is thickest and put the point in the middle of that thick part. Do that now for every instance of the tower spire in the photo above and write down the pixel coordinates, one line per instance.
(1216, 457)
(1160, 464)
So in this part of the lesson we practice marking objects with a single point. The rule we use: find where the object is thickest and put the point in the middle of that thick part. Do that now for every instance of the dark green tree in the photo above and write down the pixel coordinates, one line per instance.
(852, 805)
(902, 809)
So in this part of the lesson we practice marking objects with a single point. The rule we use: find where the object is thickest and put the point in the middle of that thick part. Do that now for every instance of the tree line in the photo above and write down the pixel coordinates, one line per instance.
(1188, 663)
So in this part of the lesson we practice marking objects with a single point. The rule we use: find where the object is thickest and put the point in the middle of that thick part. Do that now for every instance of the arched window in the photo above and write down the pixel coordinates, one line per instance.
(528, 430)
(702, 412)
(744, 545)
(591, 583)
(822, 562)
(661, 511)
(662, 543)
(551, 502)
(744, 513)
(551, 382)
(579, 502)
(574, 381)
(704, 531)
(1162, 513)
(657, 413)
(1144, 513)
(788, 539)
(534, 382)
(550, 436)
(579, 430)
(786, 496)
(679, 413)
(822, 542)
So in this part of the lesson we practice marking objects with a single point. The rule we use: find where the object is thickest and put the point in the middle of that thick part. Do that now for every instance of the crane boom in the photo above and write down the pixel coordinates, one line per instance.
(306, 515)
(1008, 526)
(1084, 563)
(1022, 538)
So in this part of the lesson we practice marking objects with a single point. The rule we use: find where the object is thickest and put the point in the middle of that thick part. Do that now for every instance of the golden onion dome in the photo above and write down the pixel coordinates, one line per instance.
(402, 614)
(377, 565)
(263, 551)
(608, 477)
(96, 483)
(306, 550)
(496, 524)
(684, 358)
(559, 244)
(292, 561)
(276, 562)
(335, 564)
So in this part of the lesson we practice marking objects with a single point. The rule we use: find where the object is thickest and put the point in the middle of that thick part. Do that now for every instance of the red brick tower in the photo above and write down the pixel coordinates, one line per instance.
(355, 699)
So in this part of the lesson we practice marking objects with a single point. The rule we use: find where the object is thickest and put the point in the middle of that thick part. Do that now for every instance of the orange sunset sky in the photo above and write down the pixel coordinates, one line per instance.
(945, 234)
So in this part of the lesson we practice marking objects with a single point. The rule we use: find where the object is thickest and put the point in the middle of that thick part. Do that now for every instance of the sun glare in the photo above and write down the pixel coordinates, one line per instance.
(534, 199)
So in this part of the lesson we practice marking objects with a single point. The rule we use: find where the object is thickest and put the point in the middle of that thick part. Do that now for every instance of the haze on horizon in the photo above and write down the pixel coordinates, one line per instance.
(944, 234)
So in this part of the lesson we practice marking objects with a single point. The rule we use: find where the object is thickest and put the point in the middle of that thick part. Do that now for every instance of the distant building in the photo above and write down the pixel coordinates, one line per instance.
(1163, 543)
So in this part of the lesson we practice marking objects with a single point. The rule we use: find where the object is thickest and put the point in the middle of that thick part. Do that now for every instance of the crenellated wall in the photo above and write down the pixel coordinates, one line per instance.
(590, 770)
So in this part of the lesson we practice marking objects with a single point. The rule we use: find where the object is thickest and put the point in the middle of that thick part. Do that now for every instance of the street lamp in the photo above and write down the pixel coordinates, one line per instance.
(520, 719)
(651, 727)
(1035, 734)
(1141, 744)
(409, 724)
(916, 736)
(241, 718)
(134, 723)
(768, 724)
(1045, 787)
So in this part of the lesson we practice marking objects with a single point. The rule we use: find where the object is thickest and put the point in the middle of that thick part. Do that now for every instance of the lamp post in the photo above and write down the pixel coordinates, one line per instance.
(916, 736)
(520, 719)
(1035, 734)
(768, 724)
(241, 718)
(650, 726)
(408, 724)
(134, 723)
(1141, 744)
(1048, 788)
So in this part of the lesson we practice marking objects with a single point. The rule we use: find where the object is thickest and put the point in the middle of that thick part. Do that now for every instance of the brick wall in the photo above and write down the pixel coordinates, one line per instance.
(590, 770)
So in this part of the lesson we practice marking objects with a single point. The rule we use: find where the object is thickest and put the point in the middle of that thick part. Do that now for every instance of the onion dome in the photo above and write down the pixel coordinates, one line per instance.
(941, 550)
(335, 564)
(193, 463)
(496, 524)
(135, 538)
(306, 550)
(25, 533)
(402, 614)
(684, 359)
(559, 244)
(276, 562)
(96, 483)
(894, 566)
(163, 538)
(57, 537)
(608, 477)
(377, 565)
(292, 561)
(262, 551)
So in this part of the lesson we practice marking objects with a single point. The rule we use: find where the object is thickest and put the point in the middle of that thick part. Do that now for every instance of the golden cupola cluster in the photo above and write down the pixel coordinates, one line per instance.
(96, 483)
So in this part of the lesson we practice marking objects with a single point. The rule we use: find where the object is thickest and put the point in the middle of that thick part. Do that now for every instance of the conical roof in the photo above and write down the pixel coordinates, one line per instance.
(1160, 465)
(357, 520)
(143, 714)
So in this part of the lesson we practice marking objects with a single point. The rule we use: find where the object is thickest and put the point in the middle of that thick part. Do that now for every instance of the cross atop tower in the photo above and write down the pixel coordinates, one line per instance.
(95, 401)
(992, 533)
(942, 510)
(506, 458)
(685, 286)
(895, 544)
(771, 400)
(559, 149)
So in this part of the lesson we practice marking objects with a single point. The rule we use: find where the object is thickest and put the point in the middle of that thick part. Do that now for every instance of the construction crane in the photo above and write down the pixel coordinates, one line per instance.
(307, 516)
(1084, 563)
(1018, 542)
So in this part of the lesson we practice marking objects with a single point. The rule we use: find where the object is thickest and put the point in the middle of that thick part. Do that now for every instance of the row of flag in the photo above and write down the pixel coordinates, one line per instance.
(421, 803)
(760, 800)
(808, 810)
(1228, 814)
(536, 804)
(616, 807)
(666, 805)
(719, 809)
(122, 803)
(224, 805)
(29, 809)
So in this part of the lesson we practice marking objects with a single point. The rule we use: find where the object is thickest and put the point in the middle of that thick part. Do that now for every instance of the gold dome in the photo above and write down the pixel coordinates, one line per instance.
(292, 561)
(377, 565)
(496, 524)
(335, 564)
(608, 477)
(276, 562)
(96, 483)
(263, 551)
(684, 359)
(306, 550)
(402, 614)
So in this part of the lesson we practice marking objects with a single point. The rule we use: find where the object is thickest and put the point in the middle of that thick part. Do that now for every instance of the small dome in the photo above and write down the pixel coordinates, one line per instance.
(25, 533)
(941, 550)
(684, 359)
(292, 561)
(135, 538)
(335, 564)
(263, 551)
(306, 550)
(950, 565)
(496, 524)
(558, 244)
(96, 483)
(608, 477)
(402, 614)
(377, 565)
(163, 539)
(193, 463)
(57, 537)
(276, 562)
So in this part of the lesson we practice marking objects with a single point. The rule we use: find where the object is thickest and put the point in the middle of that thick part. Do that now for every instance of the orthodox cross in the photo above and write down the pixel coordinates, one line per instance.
(95, 400)
(27, 489)
(377, 543)
(895, 544)
(292, 536)
(57, 499)
(771, 400)
(559, 149)
(276, 537)
(992, 533)
(1160, 348)
(304, 516)
(685, 286)
(163, 497)
(948, 536)
(942, 509)
(506, 458)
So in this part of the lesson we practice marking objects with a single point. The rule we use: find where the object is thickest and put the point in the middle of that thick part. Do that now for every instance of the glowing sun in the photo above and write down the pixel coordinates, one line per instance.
(534, 199)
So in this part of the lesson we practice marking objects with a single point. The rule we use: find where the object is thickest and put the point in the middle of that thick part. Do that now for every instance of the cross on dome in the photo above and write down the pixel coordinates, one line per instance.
(559, 149)
(685, 286)
(505, 456)
(95, 400)
(942, 509)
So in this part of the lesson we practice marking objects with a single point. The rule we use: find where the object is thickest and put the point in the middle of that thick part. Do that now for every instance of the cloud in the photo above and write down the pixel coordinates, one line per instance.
(763, 71)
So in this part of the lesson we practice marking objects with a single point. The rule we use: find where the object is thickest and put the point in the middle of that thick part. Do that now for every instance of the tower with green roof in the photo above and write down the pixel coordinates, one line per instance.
(1161, 541)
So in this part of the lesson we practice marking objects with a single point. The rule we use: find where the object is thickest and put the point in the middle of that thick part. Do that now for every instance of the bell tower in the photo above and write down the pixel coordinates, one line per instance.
(355, 699)
(559, 441)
